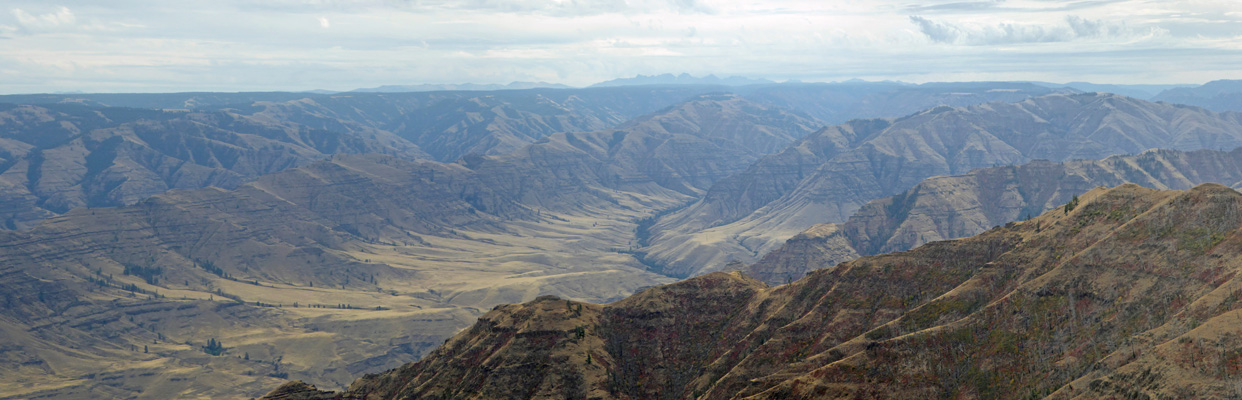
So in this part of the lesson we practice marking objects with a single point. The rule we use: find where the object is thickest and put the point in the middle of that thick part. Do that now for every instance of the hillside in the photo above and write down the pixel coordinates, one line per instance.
(1129, 293)
(953, 207)
(827, 176)
(55, 158)
(369, 242)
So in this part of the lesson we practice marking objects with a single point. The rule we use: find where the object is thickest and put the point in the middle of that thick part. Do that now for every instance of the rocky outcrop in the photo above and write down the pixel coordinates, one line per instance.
(827, 176)
(1129, 292)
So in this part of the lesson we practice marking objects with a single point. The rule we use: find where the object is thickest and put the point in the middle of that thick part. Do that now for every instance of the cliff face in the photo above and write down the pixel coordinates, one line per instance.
(952, 207)
(1131, 292)
(827, 176)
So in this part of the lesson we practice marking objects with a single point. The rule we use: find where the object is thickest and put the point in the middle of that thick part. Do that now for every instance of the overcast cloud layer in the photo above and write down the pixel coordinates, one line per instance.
(244, 45)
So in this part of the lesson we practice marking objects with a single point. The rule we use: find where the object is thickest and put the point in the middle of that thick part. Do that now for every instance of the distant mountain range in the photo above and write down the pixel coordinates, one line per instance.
(463, 86)
(1222, 95)
(135, 153)
(683, 79)
(1145, 92)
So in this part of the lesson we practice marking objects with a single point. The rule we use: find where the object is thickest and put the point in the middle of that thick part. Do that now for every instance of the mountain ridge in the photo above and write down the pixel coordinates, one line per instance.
(1073, 303)
(828, 175)
(950, 207)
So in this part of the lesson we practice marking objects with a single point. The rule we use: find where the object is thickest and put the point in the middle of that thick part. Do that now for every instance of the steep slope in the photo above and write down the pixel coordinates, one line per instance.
(827, 176)
(1131, 293)
(952, 207)
(57, 157)
(370, 241)
(1221, 95)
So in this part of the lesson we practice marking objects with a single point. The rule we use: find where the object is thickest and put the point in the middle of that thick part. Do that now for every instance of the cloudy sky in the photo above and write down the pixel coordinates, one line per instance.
(253, 45)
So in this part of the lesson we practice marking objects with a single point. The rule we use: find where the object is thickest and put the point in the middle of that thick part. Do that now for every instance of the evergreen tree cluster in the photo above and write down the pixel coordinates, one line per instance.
(149, 274)
(214, 347)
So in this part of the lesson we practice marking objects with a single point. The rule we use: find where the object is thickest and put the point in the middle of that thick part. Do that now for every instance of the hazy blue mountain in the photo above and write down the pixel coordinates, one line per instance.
(1221, 95)
(463, 86)
(1145, 92)
(683, 79)
(837, 103)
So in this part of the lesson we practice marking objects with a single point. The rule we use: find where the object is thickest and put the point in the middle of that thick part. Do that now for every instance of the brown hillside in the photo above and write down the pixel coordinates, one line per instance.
(959, 206)
(1130, 293)
(827, 176)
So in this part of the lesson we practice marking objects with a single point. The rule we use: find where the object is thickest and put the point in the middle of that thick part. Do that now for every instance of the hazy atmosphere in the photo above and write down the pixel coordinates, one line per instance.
(621, 199)
(289, 45)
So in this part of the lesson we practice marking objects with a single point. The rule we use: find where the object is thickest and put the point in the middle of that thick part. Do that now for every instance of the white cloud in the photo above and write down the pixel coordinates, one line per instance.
(60, 18)
(1003, 33)
(238, 45)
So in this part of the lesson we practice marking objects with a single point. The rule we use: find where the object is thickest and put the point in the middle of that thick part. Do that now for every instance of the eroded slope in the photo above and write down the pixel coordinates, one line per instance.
(1131, 292)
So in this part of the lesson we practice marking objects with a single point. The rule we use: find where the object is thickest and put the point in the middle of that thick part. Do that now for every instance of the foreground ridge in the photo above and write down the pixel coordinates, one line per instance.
(1126, 292)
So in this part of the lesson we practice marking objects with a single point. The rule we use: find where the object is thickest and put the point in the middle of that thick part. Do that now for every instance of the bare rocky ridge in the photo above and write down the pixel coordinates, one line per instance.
(827, 176)
(953, 207)
(1131, 292)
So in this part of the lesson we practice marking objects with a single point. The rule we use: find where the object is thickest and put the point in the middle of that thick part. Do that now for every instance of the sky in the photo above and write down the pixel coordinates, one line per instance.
(292, 45)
